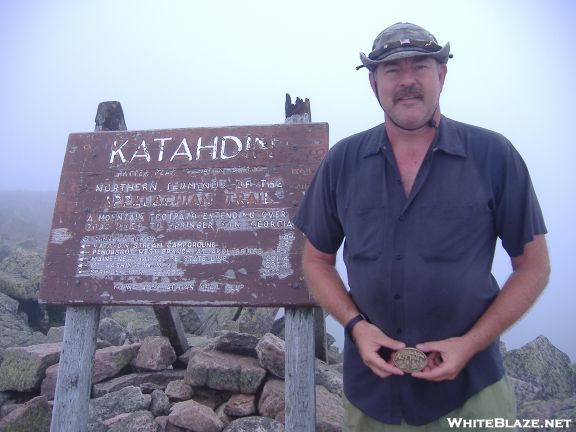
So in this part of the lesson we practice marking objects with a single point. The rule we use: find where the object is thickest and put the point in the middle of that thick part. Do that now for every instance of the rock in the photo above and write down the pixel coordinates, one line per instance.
(271, 403)
(225, 371)
(524, 391)
(20, 274)
(155, 353)
(138, 323)
(543, 365)
(210, 397)
(55, 334)
(237, 343)
(15, 328)
(213, 319)
(23, 368)
(111, 331)
(159, 404)
(255, 424)
(271, 354)
(329, 377)
(240, 405)
(329, 411)
(108, 362)
(34, 415)
(126, 400)
(161, 378)
(257, 320)
(226, 419)
(148, 388)
(194, 417)
(179, 390)
(48, 386)
(550, 409)
(139, 421)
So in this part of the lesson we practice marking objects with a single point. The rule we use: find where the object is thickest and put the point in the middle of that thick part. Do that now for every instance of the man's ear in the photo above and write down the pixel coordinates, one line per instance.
(442, 71)
(372, 80)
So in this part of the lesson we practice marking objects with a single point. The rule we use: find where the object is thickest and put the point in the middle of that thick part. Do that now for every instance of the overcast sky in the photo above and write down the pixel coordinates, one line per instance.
(179, 64)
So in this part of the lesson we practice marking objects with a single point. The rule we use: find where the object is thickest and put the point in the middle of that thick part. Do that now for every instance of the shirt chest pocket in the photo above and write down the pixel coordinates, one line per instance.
(447, 232)
(364, 230)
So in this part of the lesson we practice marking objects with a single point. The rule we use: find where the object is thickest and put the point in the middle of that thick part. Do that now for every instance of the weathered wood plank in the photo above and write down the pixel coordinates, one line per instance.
(171, 326)
(300, 390)
(299, 325)
(73, 386)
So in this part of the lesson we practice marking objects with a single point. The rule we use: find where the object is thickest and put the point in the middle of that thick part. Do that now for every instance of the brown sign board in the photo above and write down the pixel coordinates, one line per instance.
(197, 216)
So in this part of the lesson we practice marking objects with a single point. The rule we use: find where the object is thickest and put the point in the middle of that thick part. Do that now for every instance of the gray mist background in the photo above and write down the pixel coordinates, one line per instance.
(183, 63)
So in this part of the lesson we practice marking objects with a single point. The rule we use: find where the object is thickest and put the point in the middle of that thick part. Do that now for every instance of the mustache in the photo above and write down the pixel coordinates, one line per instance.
(408, 92)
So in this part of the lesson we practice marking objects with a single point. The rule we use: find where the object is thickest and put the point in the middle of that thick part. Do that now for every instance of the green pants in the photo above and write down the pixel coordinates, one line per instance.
(496, 401)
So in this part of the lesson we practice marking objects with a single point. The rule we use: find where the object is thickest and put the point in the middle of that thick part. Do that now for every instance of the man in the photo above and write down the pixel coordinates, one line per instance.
(420, 201)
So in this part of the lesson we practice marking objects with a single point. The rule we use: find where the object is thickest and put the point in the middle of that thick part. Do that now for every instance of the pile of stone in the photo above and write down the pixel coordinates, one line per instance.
(232, 382)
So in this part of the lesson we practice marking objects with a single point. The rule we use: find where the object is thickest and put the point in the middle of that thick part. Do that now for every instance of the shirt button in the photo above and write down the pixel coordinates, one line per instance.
(399, 331)
(397, 296)
(399, 257)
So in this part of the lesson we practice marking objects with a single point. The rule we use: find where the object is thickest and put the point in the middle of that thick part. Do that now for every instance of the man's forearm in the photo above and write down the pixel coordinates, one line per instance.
(527, 281)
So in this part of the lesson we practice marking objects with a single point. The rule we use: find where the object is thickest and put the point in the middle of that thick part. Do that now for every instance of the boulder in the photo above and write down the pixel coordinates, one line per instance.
(272, 402)
(213, 319)
(237, 343)
(111, 331)
(240, 405)
(210, 397)
(55, 334)
(138, 323)
(160, 378)
(15, 328)
(155, 353)
(550, 409)
(193, 417)
(139, 421)
(179, 390)
(524, 391)
(256, 320)
(271, 354)
(225, 371)
(126, 400)
(329, 377)
(108, 362)
(23, 368)
(543, 365)
(48, 386)
(34, 415)
(255, 424)
(159, 403)
(329, 411)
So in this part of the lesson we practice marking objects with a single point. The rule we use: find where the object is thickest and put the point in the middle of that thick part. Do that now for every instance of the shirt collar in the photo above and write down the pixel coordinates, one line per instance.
(448, 141)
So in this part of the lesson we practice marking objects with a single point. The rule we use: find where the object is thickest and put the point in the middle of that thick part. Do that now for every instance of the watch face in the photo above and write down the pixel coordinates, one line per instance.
(409, 360)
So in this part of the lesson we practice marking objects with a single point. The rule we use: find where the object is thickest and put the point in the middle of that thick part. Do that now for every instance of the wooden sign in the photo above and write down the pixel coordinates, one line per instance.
(185, 216)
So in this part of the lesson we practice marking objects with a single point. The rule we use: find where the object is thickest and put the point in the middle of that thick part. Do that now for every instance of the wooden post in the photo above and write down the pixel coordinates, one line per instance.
(300, 396)
(300, 393)
(74, 382)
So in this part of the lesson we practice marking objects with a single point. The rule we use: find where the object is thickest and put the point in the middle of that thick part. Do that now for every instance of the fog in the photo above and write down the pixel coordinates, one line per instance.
(179, 64)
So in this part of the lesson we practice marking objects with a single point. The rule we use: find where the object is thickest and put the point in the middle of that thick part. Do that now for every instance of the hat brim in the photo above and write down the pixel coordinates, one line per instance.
(440, 56)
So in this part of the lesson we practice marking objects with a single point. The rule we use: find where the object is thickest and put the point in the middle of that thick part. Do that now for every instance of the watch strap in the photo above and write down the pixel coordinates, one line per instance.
(348, 328)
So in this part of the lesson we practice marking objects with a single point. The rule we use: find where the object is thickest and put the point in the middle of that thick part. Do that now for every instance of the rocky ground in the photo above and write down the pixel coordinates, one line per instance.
(231, 379)
(227, 381)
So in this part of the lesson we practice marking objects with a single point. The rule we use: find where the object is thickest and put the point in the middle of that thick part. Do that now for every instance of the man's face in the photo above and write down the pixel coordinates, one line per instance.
(409, 89)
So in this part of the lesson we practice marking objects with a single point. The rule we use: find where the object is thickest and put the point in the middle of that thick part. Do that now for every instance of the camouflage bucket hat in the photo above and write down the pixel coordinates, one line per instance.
(403, 40)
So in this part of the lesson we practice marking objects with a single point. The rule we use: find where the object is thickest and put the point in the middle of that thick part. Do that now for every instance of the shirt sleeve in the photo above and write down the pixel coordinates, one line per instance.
(317, 215)
(518, 214)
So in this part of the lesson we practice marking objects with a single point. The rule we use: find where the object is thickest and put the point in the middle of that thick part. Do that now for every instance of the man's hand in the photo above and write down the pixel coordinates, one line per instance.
(446, 358)
(369, 340)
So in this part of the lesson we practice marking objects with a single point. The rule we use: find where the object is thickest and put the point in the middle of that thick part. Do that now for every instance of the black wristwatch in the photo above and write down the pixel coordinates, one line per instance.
(352, 323)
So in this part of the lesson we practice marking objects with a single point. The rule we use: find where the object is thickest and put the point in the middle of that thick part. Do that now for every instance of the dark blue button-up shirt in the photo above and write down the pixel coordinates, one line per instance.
(419, 266)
